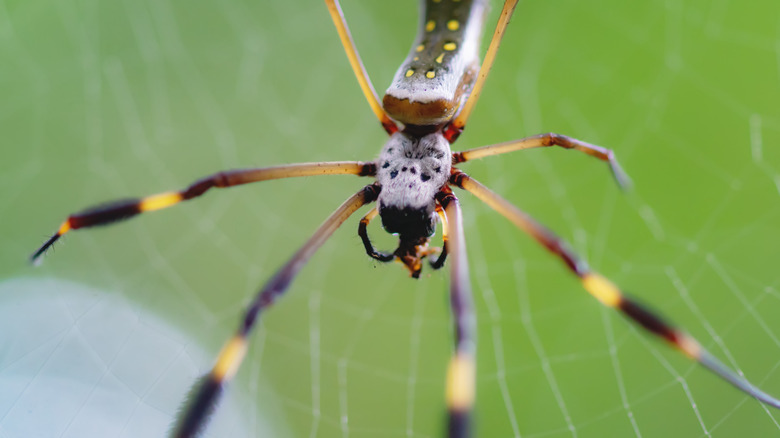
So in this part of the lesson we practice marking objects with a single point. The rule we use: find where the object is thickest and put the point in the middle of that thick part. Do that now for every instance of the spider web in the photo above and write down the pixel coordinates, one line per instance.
(103, 100)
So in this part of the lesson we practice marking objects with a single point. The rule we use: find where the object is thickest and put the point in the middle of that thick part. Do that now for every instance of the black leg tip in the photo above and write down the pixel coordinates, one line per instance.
(36, 257)
(459, 424)
(198, 407)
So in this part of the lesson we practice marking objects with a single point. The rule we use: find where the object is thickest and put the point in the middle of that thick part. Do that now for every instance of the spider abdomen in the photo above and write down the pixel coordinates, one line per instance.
(438, 73)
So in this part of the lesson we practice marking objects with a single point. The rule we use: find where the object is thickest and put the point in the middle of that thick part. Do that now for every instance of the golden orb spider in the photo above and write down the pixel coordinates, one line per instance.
(424, 111)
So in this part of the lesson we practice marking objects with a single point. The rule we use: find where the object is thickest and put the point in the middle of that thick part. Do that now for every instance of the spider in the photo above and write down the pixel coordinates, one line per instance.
(424, 111)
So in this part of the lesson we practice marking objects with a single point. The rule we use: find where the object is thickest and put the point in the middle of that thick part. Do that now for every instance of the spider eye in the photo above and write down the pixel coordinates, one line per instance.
(408, 221)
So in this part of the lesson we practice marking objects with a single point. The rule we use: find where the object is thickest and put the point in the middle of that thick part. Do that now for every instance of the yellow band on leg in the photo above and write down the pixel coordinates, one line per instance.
(229, 359)
(461, 382)
(157, 202)
(603, 289)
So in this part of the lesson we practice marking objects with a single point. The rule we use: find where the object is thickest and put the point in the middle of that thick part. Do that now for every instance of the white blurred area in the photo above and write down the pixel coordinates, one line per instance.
(78, 362)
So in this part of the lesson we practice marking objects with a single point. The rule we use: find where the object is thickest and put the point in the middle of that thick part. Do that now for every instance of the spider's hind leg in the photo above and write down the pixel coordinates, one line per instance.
(608, 294)
(548, 140)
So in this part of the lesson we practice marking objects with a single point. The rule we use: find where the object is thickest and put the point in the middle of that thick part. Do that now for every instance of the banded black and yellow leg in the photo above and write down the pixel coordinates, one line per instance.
(205, 394)
(438, 262)
(461, 372)
(608, 293)
(363, 233)
(454, 129)
(357, 66)
(547, 140)
(125, 209)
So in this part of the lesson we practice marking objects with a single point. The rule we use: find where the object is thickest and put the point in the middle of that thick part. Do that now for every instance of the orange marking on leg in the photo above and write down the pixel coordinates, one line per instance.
(689, 346)
(64, 228)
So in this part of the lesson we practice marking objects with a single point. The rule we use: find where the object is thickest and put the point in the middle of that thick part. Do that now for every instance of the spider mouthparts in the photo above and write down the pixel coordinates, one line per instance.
(411, 252)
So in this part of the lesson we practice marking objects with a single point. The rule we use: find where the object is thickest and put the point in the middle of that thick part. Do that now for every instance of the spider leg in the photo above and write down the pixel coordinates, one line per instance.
(454, 129)
(205, 394)
(363, 233)
(608, 293)
(357, 66)
(461, 372)
(127, 208)
(546, 140)
(439, 261)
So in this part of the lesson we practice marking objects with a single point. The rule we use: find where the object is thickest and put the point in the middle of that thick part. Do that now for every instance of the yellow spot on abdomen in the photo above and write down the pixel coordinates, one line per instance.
(420, 48)
(430, 25)
(450, 47)
(453, 25)
(409, 73)
(430, 74)
(440, 58)
(157, 202)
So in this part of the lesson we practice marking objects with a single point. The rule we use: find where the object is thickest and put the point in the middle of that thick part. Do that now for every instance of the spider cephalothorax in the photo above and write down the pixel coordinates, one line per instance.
(411, 170)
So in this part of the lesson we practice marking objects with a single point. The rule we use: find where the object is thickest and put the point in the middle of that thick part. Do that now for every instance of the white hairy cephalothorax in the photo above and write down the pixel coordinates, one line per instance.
(411, 170)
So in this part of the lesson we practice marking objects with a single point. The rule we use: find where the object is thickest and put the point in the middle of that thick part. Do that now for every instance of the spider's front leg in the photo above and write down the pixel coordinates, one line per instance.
(206, 392)
(125, 209)
(461, 372)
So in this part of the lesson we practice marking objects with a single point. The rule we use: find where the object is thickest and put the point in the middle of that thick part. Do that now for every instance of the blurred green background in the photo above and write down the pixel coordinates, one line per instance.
(108, 99)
